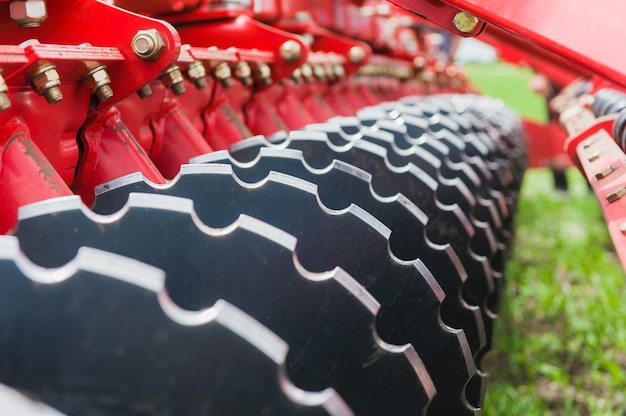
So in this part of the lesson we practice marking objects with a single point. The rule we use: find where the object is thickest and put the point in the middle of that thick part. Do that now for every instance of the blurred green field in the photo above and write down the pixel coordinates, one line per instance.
(561, 339)
(509, 83)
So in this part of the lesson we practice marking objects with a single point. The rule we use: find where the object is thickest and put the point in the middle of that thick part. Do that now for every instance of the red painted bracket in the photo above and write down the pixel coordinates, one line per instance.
(441, 13)
(577, 32)
(246, 33)
(604, 164)
(89, 24)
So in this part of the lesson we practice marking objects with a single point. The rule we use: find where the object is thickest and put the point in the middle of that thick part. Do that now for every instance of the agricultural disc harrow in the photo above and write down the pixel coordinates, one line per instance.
(270, 209)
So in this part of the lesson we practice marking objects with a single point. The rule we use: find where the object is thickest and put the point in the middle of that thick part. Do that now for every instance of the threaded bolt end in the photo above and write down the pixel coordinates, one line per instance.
(178, 88)
(53, 95)
(104, 92)
(226, 82)
(200, 83)
(144, 92)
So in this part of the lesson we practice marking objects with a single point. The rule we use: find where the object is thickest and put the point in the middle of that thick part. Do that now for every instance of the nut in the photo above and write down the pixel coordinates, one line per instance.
(243, 73)
(196, 73)
(98, 82)
(356, 54)
(465, 22)
(290, 51)
(419, 62)
(148, 44)
(307, 72)
(45, 81)
(320, 72)
(173, 79)
(223, 74)
(28, 13)
(340, 71)
(263, 73)
(296, 75)
(330, 71)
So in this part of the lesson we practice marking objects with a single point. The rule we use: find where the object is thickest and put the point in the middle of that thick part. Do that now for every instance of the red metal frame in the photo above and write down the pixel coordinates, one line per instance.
(582, 35)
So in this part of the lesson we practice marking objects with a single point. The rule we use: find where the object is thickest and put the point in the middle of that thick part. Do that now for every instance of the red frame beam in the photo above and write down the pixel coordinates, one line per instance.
(576, 30)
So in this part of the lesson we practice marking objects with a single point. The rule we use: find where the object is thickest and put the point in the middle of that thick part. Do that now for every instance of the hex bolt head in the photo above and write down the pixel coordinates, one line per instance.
(28, 13)
(148, 44)
(290, 51)
(296, 75)
(340, 71)
(605, 172)
(307, 72)
(465, 22)
(356, 54)
(144, 92)
(419, 62)
(320, 72)
(98, 82)
(196, 73)
(173, 79)
(616, 194)
(222, 74)
(45, 81)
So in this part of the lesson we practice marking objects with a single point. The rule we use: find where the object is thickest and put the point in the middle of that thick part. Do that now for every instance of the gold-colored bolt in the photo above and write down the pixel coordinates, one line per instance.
(222, 74)
(45, 81)
(148, 44)
(196, 73)
(419, 62)
(5, 103)
(307, 72)
(296, 75)
(144, 92)
(172, 78)
(465, 22)
(243, 73)
(98, 82)
(263, 73)
(356, 54)
(28, 13)
(593, 157)
(605, 172)
(290, 51)
(340, 71)
(319, 72)
(616, 194)
(329, 69)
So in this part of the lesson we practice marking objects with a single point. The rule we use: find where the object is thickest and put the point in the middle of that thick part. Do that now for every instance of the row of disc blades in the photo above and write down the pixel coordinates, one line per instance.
(351, 267)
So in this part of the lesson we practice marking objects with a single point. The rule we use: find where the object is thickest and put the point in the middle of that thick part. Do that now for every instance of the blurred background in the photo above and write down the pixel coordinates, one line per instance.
(561, 340)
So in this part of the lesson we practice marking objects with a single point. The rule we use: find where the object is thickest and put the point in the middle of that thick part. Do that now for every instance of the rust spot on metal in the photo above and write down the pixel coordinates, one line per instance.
(234, 119)
(46, 169)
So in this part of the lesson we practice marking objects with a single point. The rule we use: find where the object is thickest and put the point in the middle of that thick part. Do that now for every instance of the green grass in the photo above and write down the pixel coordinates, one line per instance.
(509, 83)
(561, 346)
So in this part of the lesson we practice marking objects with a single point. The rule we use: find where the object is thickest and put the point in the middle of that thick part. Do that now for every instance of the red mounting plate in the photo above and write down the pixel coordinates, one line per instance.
(245, 33)
(440, 13)
(580, 32)
(604, 165)
(77, 22)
